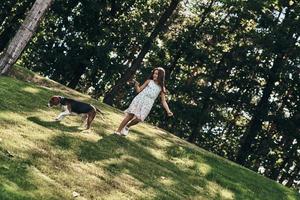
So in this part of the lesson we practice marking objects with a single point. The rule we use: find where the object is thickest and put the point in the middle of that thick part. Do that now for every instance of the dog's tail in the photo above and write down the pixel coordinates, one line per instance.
(98, 110)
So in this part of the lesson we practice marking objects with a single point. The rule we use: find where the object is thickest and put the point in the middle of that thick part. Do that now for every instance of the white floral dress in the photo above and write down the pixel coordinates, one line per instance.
(141, 104)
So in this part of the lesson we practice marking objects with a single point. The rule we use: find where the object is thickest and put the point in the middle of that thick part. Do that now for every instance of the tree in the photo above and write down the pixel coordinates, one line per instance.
(283, 45)
(12, 21)
(136, 63)
(24, 34)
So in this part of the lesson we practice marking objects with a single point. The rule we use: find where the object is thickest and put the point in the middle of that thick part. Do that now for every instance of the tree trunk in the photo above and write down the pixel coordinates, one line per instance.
(205, 109)
(193, 35)
(10, 29)
(287, 139)
(262, 107)
(219, 72)
(259, 113)
(291, 177)
(200, 120)
(274, 174)
(23, 35)
(135, 65)
(172, 66)
(76, 76)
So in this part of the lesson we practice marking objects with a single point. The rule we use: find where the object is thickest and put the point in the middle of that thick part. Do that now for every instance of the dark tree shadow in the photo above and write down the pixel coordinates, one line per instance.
(148, 169)
(53, 125)
(185, 181)
(244, 183)
(141, 164)
(22, 100)
(15, 170)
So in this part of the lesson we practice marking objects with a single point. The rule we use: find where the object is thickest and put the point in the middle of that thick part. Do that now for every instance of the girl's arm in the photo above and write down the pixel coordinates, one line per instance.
(139, 88)
(165, 105)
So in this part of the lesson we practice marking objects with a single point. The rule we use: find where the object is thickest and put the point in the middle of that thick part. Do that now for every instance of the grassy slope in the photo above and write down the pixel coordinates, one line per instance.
(42, 159)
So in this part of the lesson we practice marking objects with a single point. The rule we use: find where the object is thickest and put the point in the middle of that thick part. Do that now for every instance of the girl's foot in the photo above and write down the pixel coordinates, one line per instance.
(117, 133)
(125, 131)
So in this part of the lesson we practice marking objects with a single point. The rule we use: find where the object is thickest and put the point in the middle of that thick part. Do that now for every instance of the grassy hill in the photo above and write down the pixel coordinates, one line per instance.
(43, 159)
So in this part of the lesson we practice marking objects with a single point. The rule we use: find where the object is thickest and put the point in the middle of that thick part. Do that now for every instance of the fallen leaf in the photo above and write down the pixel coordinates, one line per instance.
(75, 194)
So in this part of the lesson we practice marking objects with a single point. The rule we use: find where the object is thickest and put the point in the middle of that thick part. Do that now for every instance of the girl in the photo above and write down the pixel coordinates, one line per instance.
(141, 105)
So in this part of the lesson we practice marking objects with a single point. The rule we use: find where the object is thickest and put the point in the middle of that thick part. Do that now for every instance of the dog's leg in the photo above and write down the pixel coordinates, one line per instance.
(63, 114)
(91, 116)
(84, 119)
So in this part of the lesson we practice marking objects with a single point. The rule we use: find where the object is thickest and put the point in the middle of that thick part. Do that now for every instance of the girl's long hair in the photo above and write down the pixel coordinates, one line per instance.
(160, 78)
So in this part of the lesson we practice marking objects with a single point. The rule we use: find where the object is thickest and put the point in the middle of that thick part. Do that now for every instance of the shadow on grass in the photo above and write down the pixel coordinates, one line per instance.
(167, 180)
(100, 125)
(14, 172)
(139, 163)
(53, 125)
(16, 183)
(24, 98)
(145, 140)
(243, 183)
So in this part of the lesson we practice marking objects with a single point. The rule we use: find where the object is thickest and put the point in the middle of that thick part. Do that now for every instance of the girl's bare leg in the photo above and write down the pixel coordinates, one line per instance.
(133, 122)
(128, 117)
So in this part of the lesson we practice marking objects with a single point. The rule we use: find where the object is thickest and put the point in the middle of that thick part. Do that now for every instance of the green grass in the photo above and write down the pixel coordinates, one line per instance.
(42, 159)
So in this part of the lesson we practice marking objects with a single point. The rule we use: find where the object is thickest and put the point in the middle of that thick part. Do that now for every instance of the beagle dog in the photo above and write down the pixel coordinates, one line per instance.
(72, 106)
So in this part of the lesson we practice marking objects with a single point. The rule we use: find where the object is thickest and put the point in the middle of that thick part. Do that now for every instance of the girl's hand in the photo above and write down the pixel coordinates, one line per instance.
(170, 114)
(136, 84)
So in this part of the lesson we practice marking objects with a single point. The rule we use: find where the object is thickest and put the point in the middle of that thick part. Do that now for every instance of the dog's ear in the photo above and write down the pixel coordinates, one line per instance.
(55, 100)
